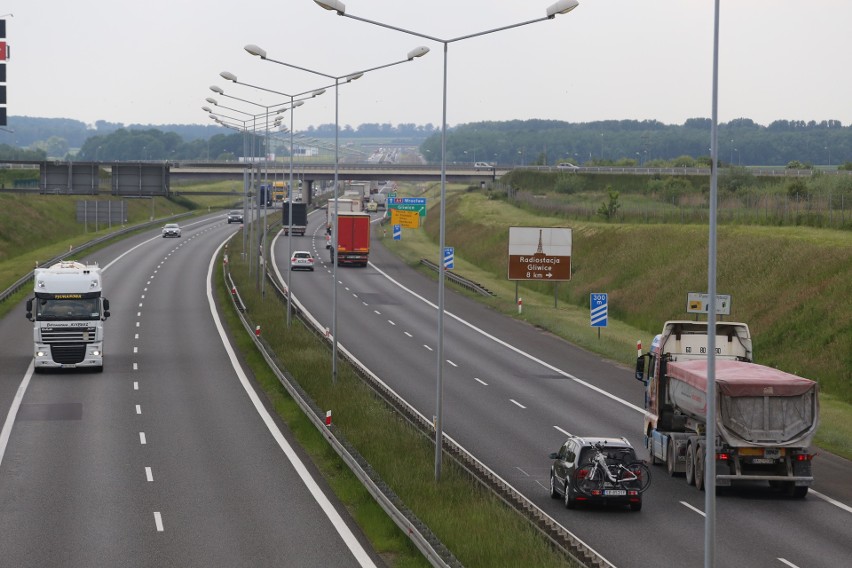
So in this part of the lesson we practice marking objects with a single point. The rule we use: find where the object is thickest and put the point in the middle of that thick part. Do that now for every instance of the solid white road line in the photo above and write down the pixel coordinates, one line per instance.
(688, 506)
(336, 520)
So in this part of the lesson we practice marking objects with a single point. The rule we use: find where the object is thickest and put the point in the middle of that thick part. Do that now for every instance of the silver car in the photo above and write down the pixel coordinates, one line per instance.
(171, 230)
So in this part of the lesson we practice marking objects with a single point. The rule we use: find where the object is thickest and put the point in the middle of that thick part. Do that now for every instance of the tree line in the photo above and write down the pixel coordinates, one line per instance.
(742, 142)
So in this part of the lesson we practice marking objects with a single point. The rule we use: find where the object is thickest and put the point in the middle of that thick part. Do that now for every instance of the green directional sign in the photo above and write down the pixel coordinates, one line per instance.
(408, 204)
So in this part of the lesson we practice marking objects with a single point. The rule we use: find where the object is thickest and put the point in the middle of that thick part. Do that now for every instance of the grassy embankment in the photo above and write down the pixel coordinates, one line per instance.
(790, 284)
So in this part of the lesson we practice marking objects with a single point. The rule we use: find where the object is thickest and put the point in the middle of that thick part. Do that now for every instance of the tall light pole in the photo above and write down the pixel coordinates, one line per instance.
(244, 129)
(560, 7)
(710, 450)
(413, 54)
(267, 108)
(295, 101)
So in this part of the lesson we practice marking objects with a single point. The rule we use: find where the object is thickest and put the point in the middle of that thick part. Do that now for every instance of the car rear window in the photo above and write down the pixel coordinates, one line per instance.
(613, 454)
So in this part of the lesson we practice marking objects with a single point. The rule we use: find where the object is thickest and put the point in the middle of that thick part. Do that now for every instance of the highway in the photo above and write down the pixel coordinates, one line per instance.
(167, 458)
(512, 393)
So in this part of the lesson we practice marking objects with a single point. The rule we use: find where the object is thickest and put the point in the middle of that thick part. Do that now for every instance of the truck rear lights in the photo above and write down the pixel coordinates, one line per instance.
(804, 457)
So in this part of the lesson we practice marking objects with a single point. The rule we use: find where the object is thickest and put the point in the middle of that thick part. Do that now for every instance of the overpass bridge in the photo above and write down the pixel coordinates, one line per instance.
(156, 178)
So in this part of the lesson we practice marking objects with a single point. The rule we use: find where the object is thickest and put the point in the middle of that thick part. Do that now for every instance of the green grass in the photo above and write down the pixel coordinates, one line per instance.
(472, 522)
(790, 284)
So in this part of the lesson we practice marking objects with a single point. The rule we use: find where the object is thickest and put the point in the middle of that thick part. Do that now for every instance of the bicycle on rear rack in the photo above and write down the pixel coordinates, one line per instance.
(607, 475)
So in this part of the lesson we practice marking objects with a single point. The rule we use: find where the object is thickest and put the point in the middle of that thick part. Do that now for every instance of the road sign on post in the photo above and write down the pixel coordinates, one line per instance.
(449, 261)
(599, 306)
(542, 254)
(397, 232)
(407, 219)
(697, 303)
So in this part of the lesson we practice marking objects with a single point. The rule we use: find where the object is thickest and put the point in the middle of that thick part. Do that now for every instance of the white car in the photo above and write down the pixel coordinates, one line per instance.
(302, 260)
(483, 166)
(566, 166)
(171, 230)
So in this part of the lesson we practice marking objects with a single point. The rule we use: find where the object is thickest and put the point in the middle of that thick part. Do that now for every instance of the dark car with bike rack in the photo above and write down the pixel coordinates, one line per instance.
(598, 470)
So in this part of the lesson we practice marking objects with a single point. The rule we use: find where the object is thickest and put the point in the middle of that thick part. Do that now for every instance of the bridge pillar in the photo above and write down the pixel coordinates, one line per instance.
(308, 190)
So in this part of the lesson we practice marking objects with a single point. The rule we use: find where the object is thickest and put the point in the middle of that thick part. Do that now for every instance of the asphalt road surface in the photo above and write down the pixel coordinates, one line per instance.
(168, 458)
(511, 394)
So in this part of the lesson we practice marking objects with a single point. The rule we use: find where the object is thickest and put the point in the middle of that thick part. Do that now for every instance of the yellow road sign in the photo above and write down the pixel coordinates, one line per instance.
(407, 219)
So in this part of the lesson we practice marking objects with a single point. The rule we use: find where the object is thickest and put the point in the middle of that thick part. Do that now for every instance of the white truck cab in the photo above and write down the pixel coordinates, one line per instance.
(68, 314)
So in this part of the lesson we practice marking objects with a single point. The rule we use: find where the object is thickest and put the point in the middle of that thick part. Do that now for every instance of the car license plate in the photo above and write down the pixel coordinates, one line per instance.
(615, 492)
(762, 460)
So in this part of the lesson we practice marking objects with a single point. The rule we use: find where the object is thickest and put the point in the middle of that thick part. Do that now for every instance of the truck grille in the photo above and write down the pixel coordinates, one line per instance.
(58, 336)
(68, 354)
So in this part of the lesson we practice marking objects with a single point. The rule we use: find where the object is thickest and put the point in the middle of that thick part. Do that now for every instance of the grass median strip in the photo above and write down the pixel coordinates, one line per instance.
(469, 520)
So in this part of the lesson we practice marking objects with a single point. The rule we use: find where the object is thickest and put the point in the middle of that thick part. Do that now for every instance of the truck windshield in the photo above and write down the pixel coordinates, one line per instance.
(63, 310)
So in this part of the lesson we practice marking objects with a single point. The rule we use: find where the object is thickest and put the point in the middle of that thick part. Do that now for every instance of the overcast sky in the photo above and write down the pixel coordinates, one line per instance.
(153, 61)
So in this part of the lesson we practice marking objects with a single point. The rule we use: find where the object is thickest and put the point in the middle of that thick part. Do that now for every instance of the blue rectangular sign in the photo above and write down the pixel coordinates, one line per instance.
(449, 258)
(407, 200)
(598, 303)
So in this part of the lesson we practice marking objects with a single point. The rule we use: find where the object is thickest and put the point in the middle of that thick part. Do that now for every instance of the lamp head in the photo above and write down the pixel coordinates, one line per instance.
(256, 50)
(353, 77)
(212, 101)
(228, 76)
(318, 92)
(207, 109)
(417, 52)
(216, 89)
(561, 7)
(297, 104)
(335, 5)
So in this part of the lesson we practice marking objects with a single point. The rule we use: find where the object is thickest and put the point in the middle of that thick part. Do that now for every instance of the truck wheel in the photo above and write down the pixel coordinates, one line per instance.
(670, 459)
(690, 464)
(699, 468)
(796, 491)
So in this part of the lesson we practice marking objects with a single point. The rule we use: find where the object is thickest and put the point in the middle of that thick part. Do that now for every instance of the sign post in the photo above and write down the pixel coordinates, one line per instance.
(598, 308)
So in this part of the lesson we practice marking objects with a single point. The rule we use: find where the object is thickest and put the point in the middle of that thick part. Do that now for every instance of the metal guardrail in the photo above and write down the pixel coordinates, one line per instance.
(567, 542)
(460, 280)
(423, 538)
(21, 282)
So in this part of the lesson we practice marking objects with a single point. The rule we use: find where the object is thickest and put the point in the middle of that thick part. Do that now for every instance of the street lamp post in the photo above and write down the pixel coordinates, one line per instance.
(293, 103)
(413, 54)
(560, 7)
(710, 450)
(242, 127)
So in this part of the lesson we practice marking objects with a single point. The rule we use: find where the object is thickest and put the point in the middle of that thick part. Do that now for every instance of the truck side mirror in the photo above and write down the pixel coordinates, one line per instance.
(30, 309)
(640, 368)
(106, 308)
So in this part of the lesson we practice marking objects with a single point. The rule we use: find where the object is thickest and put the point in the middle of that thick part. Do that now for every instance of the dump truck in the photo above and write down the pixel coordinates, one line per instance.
(353, 240)
(765, 418)
(300, 218)
(68, 313)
